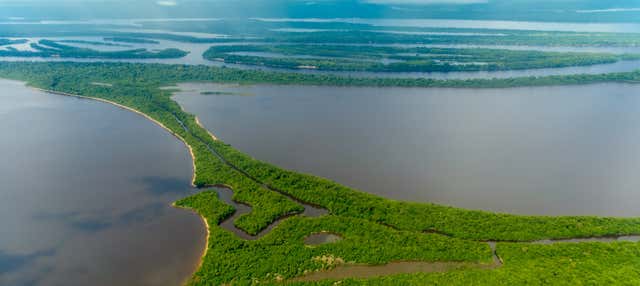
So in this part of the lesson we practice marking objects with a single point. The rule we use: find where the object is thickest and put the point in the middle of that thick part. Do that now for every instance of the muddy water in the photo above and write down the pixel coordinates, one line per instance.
(226, 195)
(406, 267)
(546, 150)
(321, 238)
(86, 192)
(395, 268)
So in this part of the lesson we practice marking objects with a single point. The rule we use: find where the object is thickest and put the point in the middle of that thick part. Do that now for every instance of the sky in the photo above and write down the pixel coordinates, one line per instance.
(537, 10)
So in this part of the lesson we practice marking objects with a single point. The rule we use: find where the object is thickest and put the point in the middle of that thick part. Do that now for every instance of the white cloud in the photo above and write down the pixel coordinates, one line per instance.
(167, 3)
(424, 2)
(610, 10)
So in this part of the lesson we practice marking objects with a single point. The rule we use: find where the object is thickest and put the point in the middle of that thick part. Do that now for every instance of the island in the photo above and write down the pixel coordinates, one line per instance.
(401, 59)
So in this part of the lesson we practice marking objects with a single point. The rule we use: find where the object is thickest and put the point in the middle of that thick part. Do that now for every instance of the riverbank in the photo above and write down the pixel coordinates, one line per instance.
(158, 123)
(193, 158)
(394, 229)
(206, 240)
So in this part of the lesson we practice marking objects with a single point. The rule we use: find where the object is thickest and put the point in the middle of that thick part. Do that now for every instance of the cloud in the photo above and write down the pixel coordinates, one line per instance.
(424, 2)
(610, 10)
(167, 3)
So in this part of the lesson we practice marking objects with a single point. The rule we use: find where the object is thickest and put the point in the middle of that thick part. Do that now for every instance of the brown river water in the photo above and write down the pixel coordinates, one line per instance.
(567, 150)
(86, 195)
(96, 181)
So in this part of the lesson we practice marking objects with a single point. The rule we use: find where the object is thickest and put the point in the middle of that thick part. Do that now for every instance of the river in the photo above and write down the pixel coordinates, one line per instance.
(86, 195)
(196, 50)
(566, 150)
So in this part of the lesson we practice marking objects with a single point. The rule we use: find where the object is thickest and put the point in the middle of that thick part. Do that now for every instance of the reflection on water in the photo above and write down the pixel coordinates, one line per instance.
(226, 195)
(543, 150)
(86, 193)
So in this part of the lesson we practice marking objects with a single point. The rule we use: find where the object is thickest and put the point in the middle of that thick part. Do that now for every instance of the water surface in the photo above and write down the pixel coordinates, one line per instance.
(547, 150)
(196, 51)
(86, 192)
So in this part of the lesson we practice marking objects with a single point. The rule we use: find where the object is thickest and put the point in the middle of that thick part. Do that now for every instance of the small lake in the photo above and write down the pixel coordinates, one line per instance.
(86, 195)
(547, 150)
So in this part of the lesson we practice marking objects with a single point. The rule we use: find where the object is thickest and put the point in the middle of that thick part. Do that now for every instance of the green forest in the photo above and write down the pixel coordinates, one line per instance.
(395, 59)
(130, 40)
(54, 49)
(398, 231)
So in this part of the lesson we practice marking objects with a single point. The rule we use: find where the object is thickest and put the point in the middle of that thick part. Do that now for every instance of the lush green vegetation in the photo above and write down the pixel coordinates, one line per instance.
(393, 59)
(342, 32)
(130, 40)
(242, 30)
(484, 37)
(281, 254)
(94, 43)
(53, 49)
(528, 264)
(375, 230)
(160, 73)
(477, 225)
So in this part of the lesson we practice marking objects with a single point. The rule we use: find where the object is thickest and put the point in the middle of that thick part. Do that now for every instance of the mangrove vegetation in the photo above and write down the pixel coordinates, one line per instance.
(374, 230)
(396, 59)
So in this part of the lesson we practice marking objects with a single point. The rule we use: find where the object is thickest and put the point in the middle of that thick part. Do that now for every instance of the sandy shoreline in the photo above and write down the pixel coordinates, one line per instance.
(206, 239)
(193, 158)
(210, 134)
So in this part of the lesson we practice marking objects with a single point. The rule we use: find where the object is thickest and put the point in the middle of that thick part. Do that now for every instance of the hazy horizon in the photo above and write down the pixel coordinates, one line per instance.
(523, 10)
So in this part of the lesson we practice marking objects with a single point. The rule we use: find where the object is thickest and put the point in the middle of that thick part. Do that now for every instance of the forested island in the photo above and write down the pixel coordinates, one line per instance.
(398, 231)
(396, 59)
(242, 31)
(333, 32)
(93, 43)
(448, 36)
(53, 49)
(130, 40)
